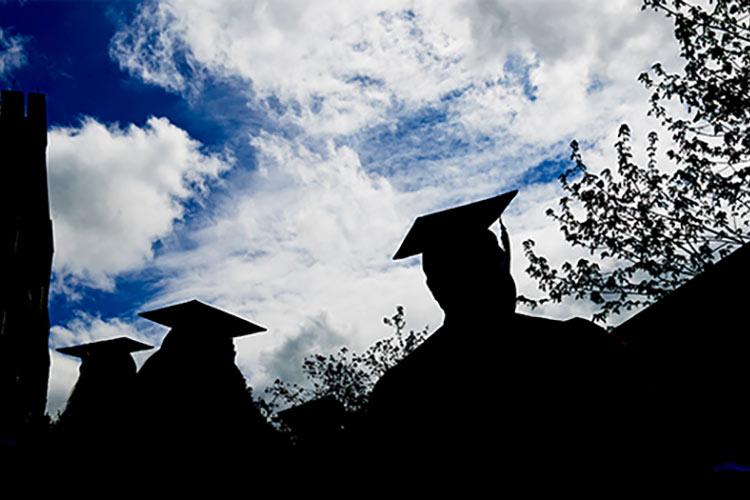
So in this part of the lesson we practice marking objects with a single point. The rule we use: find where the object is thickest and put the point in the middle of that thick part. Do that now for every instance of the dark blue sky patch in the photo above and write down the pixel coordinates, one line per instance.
(131, 291)
(365, 81)
(455, 94)
(518, 72)
(417, 136)
(546, 171)
(425, 118)
(194, 210)
(275, 105)
(69, 61)
(222, 117)
(405, 148)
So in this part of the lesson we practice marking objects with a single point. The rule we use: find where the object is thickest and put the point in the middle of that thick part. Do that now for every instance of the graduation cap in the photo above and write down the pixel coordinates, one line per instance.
(435, 228)
(194, 314)
(119, 345)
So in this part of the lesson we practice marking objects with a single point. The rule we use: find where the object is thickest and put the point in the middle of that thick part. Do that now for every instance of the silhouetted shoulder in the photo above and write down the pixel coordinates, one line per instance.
(571, 352)
(574, 334)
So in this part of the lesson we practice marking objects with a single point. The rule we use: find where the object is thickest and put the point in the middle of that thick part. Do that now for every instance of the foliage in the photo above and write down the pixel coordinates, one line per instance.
(651, 228)
(714, 86)
(347, 376)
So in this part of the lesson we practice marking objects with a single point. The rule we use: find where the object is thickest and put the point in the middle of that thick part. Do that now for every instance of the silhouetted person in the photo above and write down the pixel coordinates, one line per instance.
(692, 349)
(492, 392)
(195, 406)
(94, 427)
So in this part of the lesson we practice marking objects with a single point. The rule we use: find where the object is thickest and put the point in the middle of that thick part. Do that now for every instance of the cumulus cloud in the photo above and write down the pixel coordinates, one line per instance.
(115, 191)
(12, 53)
(389, 109)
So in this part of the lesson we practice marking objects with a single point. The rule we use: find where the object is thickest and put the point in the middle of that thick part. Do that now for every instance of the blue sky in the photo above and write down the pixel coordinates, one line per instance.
(268, 157)
(81, 80)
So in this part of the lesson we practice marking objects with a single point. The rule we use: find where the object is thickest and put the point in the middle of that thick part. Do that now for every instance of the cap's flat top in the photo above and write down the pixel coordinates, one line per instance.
(198, 315)
(434, 228)
(118, 345)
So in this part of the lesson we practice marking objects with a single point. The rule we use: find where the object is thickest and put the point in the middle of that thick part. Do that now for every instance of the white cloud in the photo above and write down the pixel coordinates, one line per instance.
(311, 231)
(86, 328)
(340, 67)
(305, 246)
(581, 60)
(114, 191)
(12, 54)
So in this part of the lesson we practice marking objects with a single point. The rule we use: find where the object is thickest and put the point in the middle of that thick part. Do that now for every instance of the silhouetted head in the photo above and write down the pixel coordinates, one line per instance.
(195, 315)
(103, 382)
(106, 361)
(200, 331)
(107, 375)
(108, 365)
(467, 271)
(469, 276)
(199, 345)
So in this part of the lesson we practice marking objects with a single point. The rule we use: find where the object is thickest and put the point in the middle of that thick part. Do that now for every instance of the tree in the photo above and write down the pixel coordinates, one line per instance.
(347, 376)
(649, 230)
